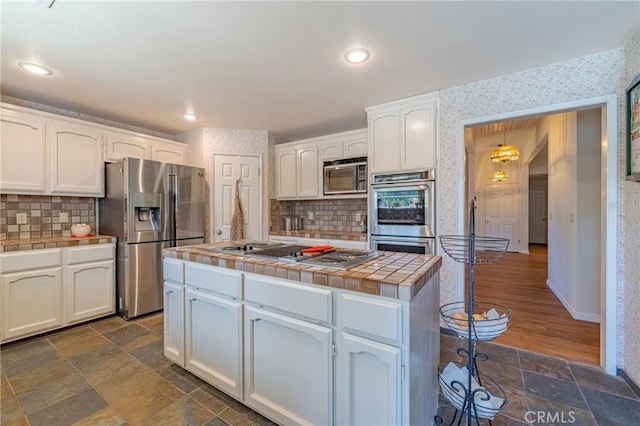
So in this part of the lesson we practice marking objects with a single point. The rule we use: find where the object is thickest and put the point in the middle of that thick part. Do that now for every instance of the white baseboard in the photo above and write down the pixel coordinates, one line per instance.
(582, 316)
(524, 252)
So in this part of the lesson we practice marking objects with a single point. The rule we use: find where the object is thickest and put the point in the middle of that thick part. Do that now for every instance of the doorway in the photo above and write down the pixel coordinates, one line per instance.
(227, 169)
(607, 206)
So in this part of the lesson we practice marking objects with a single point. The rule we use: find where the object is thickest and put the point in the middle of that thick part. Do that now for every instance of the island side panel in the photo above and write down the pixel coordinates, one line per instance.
(424, 352)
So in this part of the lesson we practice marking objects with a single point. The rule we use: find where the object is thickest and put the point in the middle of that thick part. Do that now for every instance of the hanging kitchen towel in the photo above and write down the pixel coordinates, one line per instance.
(237, 230)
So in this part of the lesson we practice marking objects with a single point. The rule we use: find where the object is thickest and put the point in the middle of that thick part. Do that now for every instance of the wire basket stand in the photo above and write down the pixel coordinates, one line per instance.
(470, 396)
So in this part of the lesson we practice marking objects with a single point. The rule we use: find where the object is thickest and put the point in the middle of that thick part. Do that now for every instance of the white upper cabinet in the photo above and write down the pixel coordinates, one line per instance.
(308, 182)
(75, 159)
(402, 134)
(121, 145)
(22, 153)
(299, 165)
(168, 152)
(286, 172)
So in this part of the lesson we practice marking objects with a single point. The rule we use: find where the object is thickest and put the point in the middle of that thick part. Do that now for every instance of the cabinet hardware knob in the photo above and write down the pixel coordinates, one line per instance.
(218, 232)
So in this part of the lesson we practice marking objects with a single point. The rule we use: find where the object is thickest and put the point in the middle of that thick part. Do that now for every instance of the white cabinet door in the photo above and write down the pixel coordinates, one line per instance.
(213, 343)
(22, 153)
(168, 152)
(308, 172)
(286, 173)
(174, 322)
(417, 141)
(32, 302)
(331, 151)
(288, 368)
(75, 160)
(368, 382)
(355, 148)
(121, 145)
(90, 290)
(383, 154)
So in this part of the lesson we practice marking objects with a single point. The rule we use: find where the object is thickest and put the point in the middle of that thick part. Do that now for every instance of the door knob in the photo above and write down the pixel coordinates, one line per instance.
(218, 232)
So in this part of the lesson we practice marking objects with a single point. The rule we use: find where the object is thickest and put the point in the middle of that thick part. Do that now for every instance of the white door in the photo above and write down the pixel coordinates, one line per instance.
(75, 160)
(32, 302)
(503, 213)
(213, 331)
(368, 382)
(308, 172)
(174, 322)
(90, 290)
(288, 368)
(538, 217)
(22, 153)
(227, 169)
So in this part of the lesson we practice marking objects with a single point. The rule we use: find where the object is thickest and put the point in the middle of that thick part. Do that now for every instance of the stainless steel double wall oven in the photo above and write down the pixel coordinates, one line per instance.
(402, 216)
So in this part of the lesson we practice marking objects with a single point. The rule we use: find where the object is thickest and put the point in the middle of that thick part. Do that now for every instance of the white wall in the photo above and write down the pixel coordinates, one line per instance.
(629, 234)
(203, 143)
(588, 215)
(580, 78)
(561, 209)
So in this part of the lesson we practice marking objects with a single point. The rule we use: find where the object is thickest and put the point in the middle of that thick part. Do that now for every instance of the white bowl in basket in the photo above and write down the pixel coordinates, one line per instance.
(80, 229)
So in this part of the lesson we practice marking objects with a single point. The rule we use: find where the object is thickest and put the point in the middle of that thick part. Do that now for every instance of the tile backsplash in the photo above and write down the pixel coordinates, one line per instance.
(328, 215)
(43, 215)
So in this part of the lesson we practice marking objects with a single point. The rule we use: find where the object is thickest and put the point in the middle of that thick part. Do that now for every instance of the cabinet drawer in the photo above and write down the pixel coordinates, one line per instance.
(32, 259)
(173, 270)
(212, 278)
(90, 254)
(375, 317)
(288, 296)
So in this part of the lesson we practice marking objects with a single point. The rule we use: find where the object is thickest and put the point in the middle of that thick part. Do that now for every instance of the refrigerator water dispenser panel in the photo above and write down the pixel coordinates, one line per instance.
(147, 211)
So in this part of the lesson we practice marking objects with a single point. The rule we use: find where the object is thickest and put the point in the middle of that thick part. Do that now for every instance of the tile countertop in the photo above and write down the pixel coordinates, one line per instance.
(395, 275)
(327, 235)
(53, 242)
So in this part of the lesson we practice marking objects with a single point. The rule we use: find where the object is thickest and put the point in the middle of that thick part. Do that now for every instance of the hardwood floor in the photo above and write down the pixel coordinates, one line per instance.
(539, 321)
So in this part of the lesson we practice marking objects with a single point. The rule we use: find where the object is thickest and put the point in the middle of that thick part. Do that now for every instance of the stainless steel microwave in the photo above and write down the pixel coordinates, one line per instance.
(347, 176)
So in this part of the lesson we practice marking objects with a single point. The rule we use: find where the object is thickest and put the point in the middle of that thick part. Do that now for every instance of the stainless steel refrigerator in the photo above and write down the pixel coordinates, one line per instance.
(149, 206)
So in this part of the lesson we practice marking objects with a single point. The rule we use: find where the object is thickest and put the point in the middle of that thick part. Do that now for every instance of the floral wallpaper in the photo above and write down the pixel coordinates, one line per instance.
(575, 79)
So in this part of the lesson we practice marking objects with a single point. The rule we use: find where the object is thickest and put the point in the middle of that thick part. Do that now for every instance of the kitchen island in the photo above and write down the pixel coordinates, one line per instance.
(305, 344)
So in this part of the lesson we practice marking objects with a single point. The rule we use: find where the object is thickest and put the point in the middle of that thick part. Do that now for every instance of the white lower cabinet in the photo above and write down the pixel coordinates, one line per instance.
(32, 302)
(90, 291)
(50, 288)
(213, 340)
(288, 368)
(368, 382)
(174, 322)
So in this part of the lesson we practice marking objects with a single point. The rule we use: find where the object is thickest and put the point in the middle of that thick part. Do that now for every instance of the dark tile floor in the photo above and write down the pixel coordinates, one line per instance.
(546, 391)
(113, 372)
(108, 372)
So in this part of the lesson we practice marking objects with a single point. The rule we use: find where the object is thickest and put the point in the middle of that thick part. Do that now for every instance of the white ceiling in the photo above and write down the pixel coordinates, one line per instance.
(279, 66)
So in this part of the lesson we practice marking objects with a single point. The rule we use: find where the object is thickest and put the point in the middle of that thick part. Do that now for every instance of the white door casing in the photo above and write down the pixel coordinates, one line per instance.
(227, 169)
(502, 204)
(609, 207)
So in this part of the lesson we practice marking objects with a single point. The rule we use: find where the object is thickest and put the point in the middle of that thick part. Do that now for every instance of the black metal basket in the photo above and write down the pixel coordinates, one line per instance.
(455, 317)
(479, 401)
(486, 249)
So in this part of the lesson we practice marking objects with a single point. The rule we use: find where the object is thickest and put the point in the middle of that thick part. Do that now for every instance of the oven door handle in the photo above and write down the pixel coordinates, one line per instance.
(388, 188)
(401, 240)
(401, 184)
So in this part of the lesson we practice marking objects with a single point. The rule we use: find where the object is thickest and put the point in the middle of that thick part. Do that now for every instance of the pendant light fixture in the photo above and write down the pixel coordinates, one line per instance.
(499, 176)
(504, 152)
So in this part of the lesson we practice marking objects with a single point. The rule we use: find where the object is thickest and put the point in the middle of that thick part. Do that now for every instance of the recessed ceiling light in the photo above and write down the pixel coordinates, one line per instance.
(357, 55)
(35, 68)
(191, 117)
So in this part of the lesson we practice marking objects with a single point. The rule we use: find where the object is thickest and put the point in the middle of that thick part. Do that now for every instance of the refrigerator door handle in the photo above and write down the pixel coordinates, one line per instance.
(173, 208)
